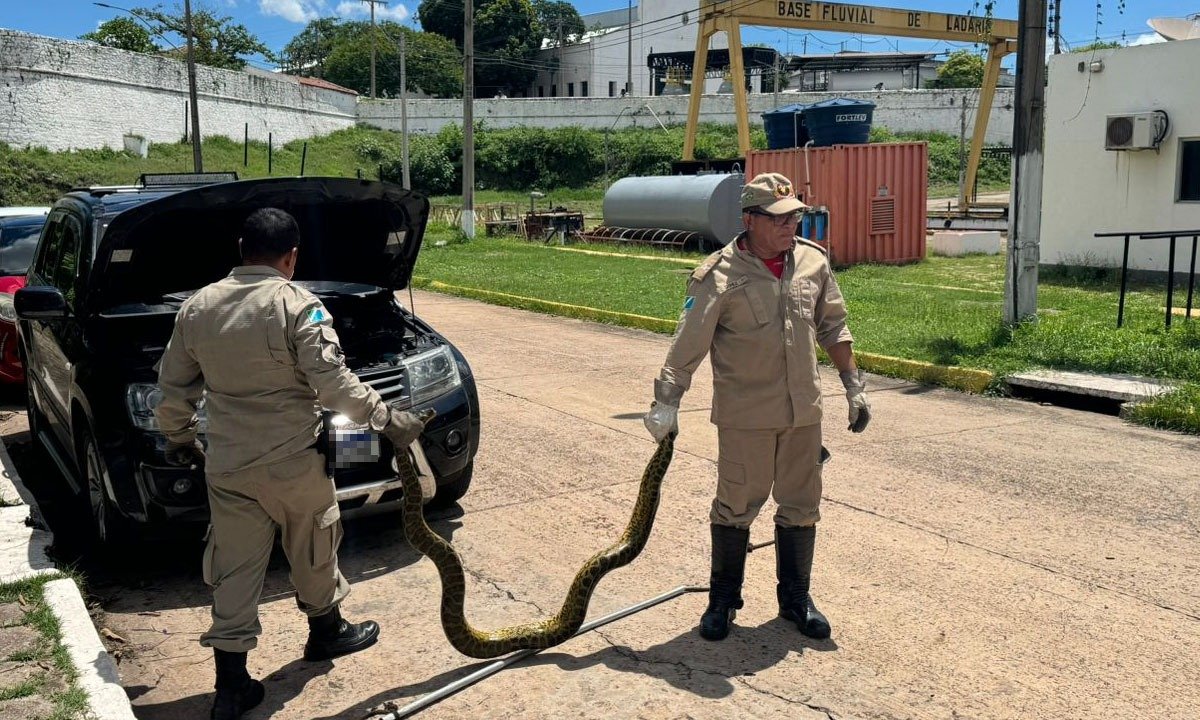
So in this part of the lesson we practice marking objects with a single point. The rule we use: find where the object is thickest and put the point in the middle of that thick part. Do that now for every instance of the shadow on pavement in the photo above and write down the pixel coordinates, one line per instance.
(686, 662)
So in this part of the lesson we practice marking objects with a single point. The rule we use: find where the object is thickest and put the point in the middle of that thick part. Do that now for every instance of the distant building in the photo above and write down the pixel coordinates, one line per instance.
(598, 64)
(859, 71)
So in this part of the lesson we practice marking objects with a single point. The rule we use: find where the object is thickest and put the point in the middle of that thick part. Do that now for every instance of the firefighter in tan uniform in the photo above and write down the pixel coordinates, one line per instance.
(265, 352)
(759, 308)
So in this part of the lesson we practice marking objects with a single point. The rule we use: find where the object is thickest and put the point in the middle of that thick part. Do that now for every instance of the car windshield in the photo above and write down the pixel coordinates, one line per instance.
(16, 248)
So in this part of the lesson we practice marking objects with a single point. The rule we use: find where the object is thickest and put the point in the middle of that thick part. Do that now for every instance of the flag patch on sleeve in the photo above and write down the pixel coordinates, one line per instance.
(318, 315)
(688, 302)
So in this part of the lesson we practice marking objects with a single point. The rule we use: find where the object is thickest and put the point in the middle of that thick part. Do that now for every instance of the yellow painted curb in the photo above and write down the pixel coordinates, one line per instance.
(659, 258)
(959, 378)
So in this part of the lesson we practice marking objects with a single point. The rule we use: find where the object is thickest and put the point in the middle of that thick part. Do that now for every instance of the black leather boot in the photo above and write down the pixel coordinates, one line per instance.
(794, 557)
(330, 636)
(237, 692)
(725, 585)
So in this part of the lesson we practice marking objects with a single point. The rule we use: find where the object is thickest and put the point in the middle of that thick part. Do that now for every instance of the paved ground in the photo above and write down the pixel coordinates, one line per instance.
(978, 558)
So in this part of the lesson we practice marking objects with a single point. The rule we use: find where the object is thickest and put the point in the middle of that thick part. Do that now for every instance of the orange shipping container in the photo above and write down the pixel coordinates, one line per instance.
(875, 195)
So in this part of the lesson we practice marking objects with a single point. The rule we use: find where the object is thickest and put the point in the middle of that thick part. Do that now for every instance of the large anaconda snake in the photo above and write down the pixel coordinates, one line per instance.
(552, 631)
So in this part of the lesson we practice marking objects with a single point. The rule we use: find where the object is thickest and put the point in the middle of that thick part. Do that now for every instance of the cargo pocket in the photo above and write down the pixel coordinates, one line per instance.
(804, 292)
(206, 565)
(327, 535)
(731, 472)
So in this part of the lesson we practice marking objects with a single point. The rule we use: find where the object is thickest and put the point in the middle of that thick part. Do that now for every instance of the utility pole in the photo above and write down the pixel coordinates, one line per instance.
(404, 108)
(373, 3)
(1058, 26)
(197, 156)
(1025, 224)
(468, 214)
(629, 44)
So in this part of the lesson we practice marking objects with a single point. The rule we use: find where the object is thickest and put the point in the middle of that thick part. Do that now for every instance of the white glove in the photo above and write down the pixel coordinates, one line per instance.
(663, 418)
(856, 396)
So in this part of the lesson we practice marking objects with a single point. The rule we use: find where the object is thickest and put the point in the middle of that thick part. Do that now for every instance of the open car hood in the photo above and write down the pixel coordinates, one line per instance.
(350, 231)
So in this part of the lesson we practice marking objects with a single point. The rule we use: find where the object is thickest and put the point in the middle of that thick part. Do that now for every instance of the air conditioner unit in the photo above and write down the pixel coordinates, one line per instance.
(1135, 131)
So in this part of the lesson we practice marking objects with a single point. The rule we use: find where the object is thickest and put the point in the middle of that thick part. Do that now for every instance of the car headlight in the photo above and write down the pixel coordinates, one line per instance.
(142, 398)
(8, 311)
(432, 373)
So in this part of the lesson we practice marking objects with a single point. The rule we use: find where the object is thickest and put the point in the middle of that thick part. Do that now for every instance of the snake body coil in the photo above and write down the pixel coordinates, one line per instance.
(562, 626)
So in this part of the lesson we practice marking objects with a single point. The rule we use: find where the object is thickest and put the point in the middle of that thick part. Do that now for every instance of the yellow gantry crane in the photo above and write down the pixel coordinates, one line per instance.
(728, 16)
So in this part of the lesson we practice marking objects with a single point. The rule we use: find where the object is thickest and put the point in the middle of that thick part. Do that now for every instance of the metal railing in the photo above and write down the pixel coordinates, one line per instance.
(1173, 236)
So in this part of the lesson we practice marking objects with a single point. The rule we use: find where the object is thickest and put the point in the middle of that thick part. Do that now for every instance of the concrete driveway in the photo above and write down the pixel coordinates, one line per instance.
(978, 558)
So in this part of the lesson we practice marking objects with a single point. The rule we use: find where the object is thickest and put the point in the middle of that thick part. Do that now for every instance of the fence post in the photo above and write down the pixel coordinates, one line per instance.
(270, 153)
(246, 147)
(303, 158)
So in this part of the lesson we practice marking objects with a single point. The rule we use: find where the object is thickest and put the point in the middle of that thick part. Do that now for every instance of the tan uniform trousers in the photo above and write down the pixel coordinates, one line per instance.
(295, 495)
(753, 464)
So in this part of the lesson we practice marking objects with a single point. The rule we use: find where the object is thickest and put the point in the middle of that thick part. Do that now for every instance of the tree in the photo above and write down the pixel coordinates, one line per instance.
(434, 64)
(306, 53)
(1098, 45)
(507, 38)
(219, 42)
(559, 19)
(123, 33)
(964, 69)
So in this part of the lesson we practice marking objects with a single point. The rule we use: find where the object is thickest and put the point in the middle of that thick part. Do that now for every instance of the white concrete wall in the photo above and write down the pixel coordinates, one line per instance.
(899, 111)
(62, 94)
(1089, 189)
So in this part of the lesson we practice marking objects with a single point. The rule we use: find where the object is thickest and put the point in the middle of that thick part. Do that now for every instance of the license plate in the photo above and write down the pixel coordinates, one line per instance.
(354, 448)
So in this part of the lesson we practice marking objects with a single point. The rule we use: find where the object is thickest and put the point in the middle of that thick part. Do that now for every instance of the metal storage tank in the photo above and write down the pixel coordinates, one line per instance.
(875, 195)
(705, 204)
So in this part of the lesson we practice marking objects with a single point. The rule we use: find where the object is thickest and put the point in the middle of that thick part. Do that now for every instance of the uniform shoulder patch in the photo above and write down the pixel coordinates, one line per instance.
(319, 315)
(809, 243)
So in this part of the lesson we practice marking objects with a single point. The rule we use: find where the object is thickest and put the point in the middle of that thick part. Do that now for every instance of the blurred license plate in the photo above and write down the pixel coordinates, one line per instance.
(354, 448)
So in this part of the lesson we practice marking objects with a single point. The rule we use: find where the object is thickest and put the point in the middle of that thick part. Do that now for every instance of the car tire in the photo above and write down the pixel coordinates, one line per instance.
(110, 527)
(450, 491)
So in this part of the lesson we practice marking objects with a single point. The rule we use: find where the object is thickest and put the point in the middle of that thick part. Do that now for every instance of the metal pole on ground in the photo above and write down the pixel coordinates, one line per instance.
(468, 214)
(270, 153)
(303, 158)
(246, 147)
(404, 110)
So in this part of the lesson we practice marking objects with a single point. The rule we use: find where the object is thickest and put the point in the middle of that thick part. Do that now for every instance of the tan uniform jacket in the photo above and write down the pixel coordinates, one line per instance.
(267, 355)
(762, 333)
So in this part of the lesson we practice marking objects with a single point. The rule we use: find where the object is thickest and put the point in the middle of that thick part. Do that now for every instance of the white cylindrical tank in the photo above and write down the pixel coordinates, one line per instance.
(705, 204)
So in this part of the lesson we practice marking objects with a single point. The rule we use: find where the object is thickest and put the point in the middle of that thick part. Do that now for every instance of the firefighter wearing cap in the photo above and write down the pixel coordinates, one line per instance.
(760, 307)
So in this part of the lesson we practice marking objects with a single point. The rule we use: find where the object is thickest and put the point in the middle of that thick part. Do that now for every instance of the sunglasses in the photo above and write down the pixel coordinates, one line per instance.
(779, 220)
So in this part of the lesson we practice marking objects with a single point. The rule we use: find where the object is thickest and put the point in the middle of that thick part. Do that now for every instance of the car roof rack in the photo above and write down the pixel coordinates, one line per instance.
(176, 179)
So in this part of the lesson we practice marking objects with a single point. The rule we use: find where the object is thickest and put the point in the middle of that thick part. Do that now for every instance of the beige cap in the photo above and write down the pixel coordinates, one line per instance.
(772, 193)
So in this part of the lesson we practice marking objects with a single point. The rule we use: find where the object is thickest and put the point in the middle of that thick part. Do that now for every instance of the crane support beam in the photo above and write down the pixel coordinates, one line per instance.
(729, 15)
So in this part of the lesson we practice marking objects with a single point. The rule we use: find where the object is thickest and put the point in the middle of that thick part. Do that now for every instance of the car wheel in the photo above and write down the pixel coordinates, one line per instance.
(110, 526)
(454, 488)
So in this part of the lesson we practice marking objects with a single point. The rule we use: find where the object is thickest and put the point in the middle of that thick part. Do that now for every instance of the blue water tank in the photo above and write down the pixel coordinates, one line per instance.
(785, 127)
(841, 121)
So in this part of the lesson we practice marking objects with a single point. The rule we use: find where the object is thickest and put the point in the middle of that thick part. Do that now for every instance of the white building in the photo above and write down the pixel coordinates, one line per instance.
(1088, 189)
(599, 64)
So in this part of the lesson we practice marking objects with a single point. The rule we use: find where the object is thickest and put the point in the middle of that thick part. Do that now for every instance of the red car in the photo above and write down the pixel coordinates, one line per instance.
(18, 239)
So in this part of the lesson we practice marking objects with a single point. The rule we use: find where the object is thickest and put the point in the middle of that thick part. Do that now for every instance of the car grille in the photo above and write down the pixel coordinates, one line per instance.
(391, 384)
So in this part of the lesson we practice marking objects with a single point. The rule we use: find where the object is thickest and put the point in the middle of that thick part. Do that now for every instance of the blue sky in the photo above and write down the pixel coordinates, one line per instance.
(276, 21)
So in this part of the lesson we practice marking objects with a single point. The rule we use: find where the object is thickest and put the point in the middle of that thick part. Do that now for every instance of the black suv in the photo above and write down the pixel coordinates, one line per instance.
(114, 264)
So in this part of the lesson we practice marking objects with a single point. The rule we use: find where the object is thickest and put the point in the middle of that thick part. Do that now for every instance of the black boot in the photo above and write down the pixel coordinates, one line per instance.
(237, 692)
(330, 636)
(794, 557)
(725, 587)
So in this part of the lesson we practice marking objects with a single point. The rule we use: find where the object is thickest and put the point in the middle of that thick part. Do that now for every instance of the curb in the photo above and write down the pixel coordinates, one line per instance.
(98, 676)
(24, 556)
(958, 378)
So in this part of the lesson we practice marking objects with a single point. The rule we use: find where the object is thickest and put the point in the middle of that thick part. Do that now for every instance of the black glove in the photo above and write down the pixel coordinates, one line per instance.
(185, 454)
(404, 427)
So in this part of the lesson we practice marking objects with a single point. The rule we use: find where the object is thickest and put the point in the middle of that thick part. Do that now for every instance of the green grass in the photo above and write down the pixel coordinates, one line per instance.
(1179, 410)
(39, 177)
(943, 310)
(69, 704)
